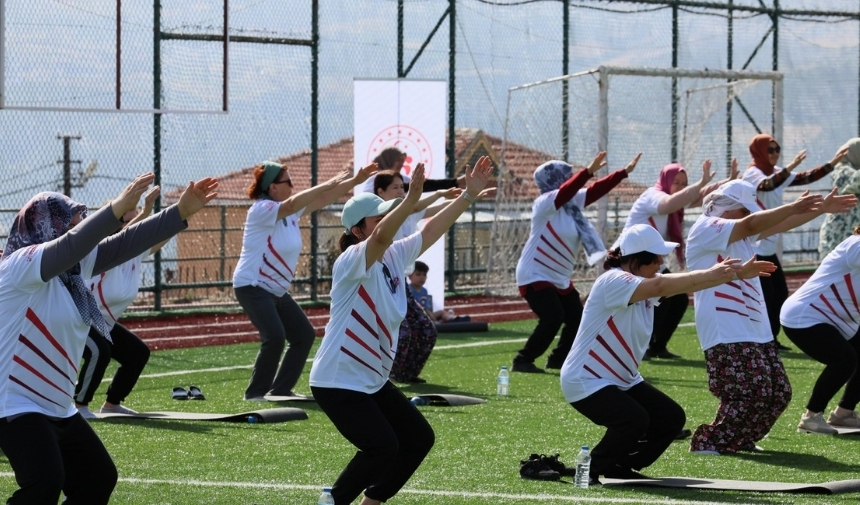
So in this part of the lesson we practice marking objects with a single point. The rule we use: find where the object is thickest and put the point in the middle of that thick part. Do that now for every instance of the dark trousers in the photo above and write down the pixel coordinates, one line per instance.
(392, 438)
(127, 349)
(667, 316)
(640, 424)
(272, 316)
(826, 345)
(52, 456)
(775, 292)
(553, 310)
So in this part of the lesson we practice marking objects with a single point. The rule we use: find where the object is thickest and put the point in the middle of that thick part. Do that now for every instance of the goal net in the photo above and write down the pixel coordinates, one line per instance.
(668, 114)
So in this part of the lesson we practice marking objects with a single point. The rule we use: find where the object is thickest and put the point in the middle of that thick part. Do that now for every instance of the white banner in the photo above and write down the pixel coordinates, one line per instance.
(409, 115)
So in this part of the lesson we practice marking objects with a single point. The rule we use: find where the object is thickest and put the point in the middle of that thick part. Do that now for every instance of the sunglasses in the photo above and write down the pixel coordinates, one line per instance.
(773, 150)
(285, 181)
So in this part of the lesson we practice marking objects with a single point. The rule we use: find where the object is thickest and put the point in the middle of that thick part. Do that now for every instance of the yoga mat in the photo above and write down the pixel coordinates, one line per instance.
(279, 415)
(274, 398)
(450, 400)
(835, 487)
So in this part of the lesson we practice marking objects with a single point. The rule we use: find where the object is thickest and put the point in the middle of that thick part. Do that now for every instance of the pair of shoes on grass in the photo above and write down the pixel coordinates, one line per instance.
(192, 393)
(543, 467)
(815, 423)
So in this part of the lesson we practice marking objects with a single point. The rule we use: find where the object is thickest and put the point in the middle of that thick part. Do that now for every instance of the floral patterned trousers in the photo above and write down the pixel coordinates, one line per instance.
(415, 343)
(753, 389)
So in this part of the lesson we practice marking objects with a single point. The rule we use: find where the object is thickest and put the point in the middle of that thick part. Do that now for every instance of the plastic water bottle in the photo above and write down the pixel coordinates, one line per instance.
(251, 419)
(502, 381)
(583, 465)
(326, 498)
(418, 400)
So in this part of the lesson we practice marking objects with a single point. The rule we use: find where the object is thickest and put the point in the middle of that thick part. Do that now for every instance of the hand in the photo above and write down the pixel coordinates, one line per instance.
(478, 177)
(450, 193)
(796, 161)
(807, 203)
(363, 174)
(725, 271)
(128, 198)
(343, 175)
(707, 175)
(734, 172)
(630, 166)
(487, 194)
(196, 196)
(839, 157)
(835, 202)
(752, 268)
(416, 185)
(149, 199)
(597, 163)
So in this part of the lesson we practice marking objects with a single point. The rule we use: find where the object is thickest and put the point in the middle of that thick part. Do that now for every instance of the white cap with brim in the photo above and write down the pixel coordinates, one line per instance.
(365, 205)
(741, 192)
(641, 237)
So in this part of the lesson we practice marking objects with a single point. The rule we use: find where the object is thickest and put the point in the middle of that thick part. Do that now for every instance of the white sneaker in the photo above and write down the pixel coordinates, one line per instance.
(852, 420)
(85, 412)
(815, 424)
(119, 409)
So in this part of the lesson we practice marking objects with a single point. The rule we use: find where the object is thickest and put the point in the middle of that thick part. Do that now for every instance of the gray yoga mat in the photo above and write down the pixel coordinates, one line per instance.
(279, 415)
(835, 487)
(439, 400)
(847, 431)
(274, 398)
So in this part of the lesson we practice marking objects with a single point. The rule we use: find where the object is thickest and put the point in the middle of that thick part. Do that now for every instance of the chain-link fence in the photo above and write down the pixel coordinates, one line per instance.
(73, 71)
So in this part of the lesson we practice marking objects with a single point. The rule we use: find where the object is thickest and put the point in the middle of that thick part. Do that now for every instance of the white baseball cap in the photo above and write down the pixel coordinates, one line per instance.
(741, 192)
(641, 237)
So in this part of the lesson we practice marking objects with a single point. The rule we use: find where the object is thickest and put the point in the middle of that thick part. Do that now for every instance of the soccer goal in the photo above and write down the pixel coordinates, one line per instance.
(668, 114)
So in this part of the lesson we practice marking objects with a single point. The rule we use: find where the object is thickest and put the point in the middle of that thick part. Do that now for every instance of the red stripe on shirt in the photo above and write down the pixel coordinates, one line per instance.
(559, 253)
(611, 324)
(274, 268)
(729, 297)
(549, 257)
(839, 299)
(560, 241)
(18, 381)
(356, 358)
(264, 274)
(102, 297)
(836, 324)
(33, 318)
(366, 297)
(612, 352)
(592, 372)
(724, 309)
(830, 308)
(32, 369)
(364, 323)
(751, 287)
(38, 352)
(851, 291)
(539, 262)
(609, 368)
(362, 343)
(272, 248)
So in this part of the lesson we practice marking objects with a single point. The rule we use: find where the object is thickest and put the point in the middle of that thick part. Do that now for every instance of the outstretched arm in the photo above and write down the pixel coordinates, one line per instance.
(831, 204)
(383, 235)
(688, 195)
(604, 185)
(757, 222)
(343, 187)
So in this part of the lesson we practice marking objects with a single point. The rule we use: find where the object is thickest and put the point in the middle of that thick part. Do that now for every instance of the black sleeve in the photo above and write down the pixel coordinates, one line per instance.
(434, 184)
(62, 253)
(137, 238)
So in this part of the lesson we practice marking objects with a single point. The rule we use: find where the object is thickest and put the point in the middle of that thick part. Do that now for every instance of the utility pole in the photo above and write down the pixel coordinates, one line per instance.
(67, 162)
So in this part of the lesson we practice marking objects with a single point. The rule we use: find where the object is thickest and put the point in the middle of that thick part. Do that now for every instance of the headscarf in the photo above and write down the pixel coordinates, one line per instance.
(852, 159)
(44, 218)
(271, 169)
(549, 177)
(715, 204)
(758, 150)
(675, 222)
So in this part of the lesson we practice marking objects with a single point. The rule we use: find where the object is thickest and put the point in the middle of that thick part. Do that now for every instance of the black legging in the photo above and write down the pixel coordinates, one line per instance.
(825, 344)
(392, 438)
(640, 424)
(127, 349)
(553, 310)
(774, 291)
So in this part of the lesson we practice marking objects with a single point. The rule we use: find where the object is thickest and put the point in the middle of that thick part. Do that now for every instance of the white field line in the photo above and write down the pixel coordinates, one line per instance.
(309, 360)
(423, 492)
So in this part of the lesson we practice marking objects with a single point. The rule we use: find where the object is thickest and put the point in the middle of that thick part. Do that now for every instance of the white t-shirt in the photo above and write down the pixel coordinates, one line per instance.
(611, 340)
(42, 337)
(367, 307)
(732, 312)
(410, 225)
(767, 200)
(549, 253)
(644, 211)
(830, 296)
(270, 249)
(115, 289)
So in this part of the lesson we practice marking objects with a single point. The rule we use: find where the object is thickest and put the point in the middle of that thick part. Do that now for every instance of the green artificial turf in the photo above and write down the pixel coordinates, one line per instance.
(478, 448)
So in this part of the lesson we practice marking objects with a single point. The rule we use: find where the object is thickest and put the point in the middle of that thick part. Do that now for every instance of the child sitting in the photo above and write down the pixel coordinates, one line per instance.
(416, 283)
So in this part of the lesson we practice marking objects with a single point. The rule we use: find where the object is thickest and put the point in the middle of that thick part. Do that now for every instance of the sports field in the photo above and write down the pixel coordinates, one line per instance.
(478, 448)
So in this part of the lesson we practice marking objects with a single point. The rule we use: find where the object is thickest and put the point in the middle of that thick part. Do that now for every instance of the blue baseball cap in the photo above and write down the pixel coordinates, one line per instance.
(365, 205)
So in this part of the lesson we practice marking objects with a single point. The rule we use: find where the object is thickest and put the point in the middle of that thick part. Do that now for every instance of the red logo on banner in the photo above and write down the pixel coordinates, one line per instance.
(410, 141)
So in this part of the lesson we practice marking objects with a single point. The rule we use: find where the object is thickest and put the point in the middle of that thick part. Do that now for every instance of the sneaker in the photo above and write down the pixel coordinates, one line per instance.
(554, 464)
(534, 469)
(815, 424)
(852, 420)
(525, 367)
(119, 409)
(85, 412)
